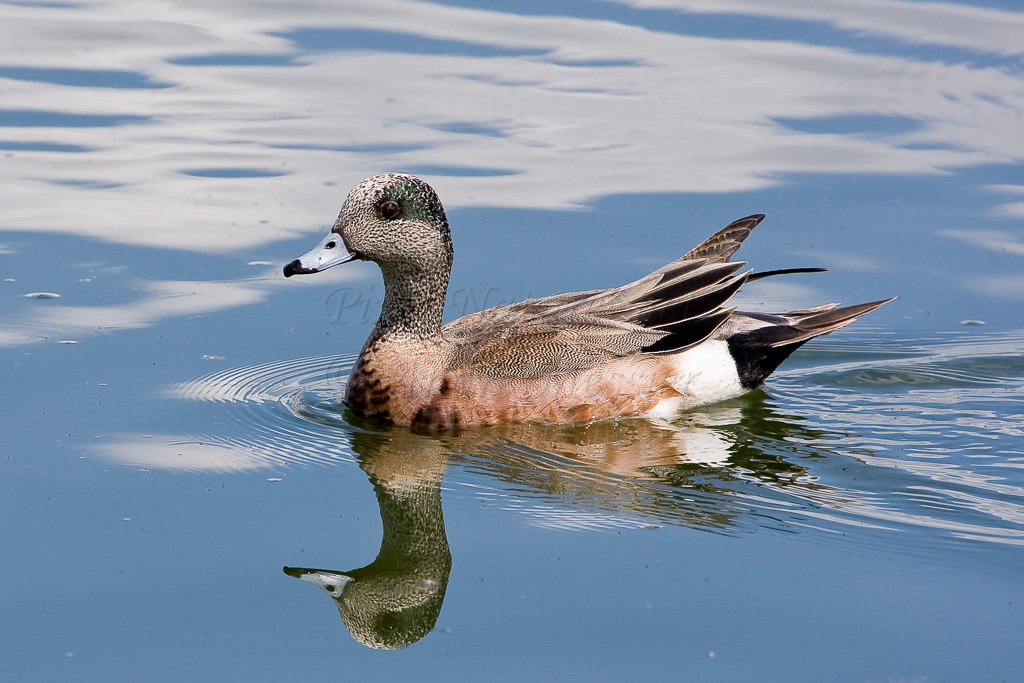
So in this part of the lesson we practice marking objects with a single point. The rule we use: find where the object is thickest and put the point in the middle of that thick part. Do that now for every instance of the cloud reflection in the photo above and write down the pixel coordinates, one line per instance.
(979, 29)
(1002, 286)
(158, 301)
(566, 108)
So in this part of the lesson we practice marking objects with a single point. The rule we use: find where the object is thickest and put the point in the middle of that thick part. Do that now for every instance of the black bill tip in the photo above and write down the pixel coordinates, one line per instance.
(296, 268)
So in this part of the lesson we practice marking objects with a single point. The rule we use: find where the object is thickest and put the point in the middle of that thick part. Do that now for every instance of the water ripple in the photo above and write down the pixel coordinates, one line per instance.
(945, 424)
(907, 437)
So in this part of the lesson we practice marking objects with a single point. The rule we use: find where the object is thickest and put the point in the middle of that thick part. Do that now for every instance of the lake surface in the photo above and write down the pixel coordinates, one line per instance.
(174, 455)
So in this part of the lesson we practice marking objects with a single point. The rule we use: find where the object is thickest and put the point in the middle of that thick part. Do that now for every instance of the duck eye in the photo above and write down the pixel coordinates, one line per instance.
(390, 209)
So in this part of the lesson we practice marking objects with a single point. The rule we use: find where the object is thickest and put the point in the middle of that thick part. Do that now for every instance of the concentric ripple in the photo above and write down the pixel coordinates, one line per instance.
(267, 382)
(277, 414)
(922, 436)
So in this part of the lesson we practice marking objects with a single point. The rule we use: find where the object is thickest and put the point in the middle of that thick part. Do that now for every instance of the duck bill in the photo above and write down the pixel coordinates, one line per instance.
(331, 581)
(329, 253)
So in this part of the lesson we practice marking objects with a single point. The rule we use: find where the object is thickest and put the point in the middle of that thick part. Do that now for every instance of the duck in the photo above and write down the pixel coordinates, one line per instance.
(652, 348)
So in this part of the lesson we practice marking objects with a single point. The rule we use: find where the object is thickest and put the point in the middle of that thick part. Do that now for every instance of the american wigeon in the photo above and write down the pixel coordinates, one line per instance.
(654, 347)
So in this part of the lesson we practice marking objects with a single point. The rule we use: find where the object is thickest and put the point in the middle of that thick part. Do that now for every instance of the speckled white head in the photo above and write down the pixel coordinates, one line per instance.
(393, 219)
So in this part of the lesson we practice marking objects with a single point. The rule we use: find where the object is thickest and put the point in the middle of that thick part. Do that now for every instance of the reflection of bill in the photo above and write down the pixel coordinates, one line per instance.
(395, 600)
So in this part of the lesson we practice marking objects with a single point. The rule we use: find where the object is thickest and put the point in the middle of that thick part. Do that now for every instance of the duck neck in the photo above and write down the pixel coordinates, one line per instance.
(413, 302)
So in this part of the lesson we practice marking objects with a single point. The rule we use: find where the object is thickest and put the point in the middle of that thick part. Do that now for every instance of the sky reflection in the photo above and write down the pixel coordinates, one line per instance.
(166, 133)
(977, 29)
(172, 412)
(154, 302)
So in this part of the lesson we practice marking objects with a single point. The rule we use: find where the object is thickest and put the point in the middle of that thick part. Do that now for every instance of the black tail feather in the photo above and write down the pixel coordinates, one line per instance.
(760, 351)
(784, 271)
(712, 275)
(686, 334)
(824, 321)
(689, 307)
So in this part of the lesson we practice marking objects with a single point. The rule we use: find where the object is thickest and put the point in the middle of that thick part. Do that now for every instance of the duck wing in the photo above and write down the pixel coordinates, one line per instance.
(672, 309)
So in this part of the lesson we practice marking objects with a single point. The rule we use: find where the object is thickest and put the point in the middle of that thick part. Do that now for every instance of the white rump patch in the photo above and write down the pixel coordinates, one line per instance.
(704, 374)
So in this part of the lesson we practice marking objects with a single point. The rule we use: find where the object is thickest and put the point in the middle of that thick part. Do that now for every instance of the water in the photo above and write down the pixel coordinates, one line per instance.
(172, 438)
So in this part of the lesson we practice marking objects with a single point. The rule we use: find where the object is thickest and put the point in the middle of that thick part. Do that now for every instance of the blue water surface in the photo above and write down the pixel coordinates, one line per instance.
(175, 455)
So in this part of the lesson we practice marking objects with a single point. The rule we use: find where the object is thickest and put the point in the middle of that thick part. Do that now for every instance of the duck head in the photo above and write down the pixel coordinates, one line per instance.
(392, 219)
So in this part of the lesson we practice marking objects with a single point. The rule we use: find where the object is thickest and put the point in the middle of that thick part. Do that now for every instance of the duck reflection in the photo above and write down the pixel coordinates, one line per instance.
(682, 472)
(395, 600)
(717, 468)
